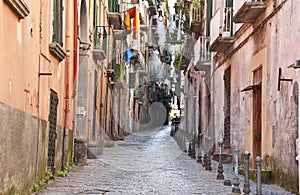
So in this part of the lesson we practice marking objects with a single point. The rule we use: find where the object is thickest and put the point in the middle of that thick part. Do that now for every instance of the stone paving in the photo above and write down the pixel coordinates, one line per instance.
(148, 162)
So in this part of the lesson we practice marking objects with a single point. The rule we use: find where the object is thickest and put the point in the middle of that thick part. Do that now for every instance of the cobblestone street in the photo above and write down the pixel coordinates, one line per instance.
(147, 162)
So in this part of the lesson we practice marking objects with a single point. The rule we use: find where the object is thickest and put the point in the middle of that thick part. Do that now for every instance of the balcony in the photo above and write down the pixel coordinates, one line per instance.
(222, 39)
(152, 10)
(249, 11)
(196, 27)
(57, 51)
(98, 54)
(202, 54)
(114, 18)
(19, 7)
(187, 52)
(221, 44)
(120, 34)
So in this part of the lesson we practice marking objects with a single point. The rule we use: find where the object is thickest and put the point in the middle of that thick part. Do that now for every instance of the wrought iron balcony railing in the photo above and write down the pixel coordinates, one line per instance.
(222, 36)
(202, 54)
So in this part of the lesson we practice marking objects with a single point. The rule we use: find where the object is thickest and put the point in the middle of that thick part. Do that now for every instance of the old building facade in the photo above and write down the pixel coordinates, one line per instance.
(37, 82)
(248, 94)
(65, 79)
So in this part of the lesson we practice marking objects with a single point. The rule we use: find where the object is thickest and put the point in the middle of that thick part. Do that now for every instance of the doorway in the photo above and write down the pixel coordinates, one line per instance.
(257, 115)
(52, 130)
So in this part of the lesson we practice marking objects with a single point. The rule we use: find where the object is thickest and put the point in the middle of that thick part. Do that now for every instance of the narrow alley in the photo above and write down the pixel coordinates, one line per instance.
(147, 162)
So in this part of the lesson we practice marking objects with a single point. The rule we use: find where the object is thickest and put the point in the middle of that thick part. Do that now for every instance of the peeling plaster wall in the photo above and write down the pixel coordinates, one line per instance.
(20, 63)
(18, 150)
(18, 147)
(273, 46)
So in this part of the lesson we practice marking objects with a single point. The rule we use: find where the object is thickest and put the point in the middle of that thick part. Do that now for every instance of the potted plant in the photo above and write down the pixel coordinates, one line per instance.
(226, 32)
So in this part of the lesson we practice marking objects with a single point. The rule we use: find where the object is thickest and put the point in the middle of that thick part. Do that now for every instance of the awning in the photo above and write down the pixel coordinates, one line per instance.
(252, 87)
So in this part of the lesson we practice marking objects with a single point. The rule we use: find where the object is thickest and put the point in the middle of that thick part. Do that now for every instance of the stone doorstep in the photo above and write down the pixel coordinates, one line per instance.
(266, 175)
(94, 149)
(226, 158)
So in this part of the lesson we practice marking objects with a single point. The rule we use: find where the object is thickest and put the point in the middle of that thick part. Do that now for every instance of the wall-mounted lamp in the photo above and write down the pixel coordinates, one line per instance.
(295, 65)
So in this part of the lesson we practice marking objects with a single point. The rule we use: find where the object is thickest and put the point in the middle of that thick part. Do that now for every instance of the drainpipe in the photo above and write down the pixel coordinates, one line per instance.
(66, 110)
(38, 101)
(75, 44)
(111, 112)
(105, 108)
(298, 137)
(67, 65)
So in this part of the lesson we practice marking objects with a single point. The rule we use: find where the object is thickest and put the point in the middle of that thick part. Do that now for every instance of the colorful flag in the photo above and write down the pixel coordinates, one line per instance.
(132, 13)
(136, 25)
(129, 14)
(127, 55)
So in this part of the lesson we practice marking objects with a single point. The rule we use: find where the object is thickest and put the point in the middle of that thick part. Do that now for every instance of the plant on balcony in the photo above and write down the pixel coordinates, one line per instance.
(118, 73)
(198, 5)
(177, 61)
(186, 22)
(142, 21)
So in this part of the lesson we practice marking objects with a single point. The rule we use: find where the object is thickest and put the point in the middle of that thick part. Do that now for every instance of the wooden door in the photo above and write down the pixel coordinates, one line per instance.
(257, 117)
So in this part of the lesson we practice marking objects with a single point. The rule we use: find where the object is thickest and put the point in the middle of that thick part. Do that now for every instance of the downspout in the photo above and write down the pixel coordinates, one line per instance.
(111, 111)
(75, 44)
(38, 100)
(75, 48)
(105, 108)
(67, 65)
(66, 110)
(298, 138)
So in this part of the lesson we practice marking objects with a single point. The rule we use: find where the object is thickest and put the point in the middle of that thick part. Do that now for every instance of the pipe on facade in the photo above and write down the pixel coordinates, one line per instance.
(66, 110)
(67, 99)
(105, 108)
(298, 137)
(111, 112)
(75, 47)
(38, 100)
(75, 52)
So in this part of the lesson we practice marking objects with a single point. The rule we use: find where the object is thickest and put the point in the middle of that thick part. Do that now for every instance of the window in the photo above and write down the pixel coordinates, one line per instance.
(114, 5)
(56, 30)
(57, 22)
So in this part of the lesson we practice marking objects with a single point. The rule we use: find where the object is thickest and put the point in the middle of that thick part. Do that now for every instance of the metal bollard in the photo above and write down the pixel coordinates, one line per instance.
(258, 162)
(193, 151)
(205, 158)
(236, 180)
(204, 164)
(247, 189)
(220, 167)
(199, 156)
(190, 149)
(208, 162)
(200, 149)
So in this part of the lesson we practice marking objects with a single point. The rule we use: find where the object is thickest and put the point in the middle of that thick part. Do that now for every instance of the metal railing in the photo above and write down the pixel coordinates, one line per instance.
(228, 24)
(204, 53)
